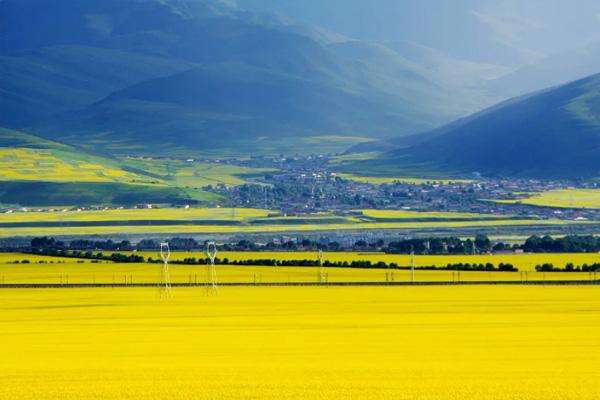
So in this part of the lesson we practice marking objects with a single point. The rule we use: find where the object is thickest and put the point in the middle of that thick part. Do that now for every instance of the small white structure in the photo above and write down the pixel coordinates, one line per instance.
(164, 286)
(211, 272)
(322, 277)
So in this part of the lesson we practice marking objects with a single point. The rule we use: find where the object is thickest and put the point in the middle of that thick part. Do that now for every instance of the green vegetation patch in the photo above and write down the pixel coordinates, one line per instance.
(567, 198)
(35, 193)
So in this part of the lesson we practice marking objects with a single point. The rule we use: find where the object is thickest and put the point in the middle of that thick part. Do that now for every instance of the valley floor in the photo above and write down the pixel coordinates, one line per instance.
(289, 343)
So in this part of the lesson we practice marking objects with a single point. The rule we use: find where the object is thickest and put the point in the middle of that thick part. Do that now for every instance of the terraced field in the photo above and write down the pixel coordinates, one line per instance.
(446, 343)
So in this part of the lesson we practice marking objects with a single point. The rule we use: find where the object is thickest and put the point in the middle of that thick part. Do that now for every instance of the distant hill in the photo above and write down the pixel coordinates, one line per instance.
(445, 68)
(133, 73)
(549, 134)
(11, 139)
(39, 172)
(553, 70)
(212, 106)
(42, 83)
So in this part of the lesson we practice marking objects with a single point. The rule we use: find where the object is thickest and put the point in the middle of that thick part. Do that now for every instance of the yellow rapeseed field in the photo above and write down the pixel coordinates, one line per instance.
(111, 273)
(56, 166)
(579, 198)
(524, 262)
(152, 214)
(408, 214)
(7, 258)
(377, 180)
(223, 213)
(69, 270)
(316, 226)
(186, 174)
(447, 343)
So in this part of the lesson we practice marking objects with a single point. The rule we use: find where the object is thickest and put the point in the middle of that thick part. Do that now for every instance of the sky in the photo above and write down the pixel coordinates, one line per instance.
(508, 32)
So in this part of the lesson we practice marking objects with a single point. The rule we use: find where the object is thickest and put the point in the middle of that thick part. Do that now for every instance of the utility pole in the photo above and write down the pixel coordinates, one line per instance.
(412, 267)
(211, 272)
(321, 272)
(165, 276)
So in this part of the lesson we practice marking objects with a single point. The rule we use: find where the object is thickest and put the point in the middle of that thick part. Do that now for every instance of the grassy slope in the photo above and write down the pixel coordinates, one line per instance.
(193, 174)
(555, 133)
(39, 172)
(44, 194)
(243, 79)
(211, 106)
(568, 198)
(38, 84)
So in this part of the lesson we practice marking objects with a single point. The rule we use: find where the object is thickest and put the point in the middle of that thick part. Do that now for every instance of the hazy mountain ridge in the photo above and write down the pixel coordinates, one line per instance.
(556, 69)
(185, 73)
(106, 48)
(550, 134)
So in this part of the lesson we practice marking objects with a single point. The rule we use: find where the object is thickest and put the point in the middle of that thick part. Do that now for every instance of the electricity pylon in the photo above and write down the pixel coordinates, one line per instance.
(164, 286)
(211, 272)
(322, 278)
(412, 267)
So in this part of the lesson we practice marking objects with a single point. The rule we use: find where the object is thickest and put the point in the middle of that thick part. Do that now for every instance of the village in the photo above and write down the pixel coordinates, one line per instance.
(305, 185)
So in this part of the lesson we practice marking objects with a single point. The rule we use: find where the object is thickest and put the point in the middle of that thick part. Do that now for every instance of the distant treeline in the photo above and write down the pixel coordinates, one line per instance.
(348, 264)
(115, 257)
(134, 258)
(481, 244)
(567, 244)
(570, 267)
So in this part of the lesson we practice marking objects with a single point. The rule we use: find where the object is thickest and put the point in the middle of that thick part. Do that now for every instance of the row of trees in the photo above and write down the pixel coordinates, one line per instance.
(347, 264)
(134, 258)
(181, 244)
(570, 267)
(567, 244)
(115, 257)
(431, 245)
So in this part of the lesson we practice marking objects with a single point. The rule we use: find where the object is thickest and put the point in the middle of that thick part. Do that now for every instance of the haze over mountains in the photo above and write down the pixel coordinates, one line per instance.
(188, 72)
(144, 76)
(551, 134)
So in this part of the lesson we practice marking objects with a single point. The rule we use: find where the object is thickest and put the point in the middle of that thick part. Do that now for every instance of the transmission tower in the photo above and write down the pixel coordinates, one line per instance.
(322, 278)
(211, 272)
(412, 267)
(164, 286)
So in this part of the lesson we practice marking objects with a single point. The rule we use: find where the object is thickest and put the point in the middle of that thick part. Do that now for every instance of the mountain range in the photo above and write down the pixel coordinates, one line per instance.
(187, 77)
(196, 73)
(554, 133)
(131, 74)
